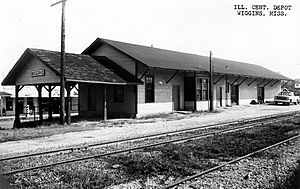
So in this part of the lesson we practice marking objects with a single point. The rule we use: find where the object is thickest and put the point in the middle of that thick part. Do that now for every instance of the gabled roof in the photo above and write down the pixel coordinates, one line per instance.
(166, 59)
(78, 68)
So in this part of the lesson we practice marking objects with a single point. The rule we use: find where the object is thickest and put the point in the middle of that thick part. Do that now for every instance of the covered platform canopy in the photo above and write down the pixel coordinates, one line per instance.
(41, 68)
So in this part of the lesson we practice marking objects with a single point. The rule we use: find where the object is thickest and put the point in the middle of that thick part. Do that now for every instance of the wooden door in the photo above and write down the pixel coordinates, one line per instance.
(235, 94)
(261, 94)
(176, 97)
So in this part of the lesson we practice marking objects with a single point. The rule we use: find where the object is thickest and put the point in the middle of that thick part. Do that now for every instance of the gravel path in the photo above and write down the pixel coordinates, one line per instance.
(133, 128)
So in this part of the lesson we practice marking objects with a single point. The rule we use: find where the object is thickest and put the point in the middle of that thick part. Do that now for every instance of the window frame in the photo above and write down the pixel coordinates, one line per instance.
(201, 89)
(9, 100)
(149, 89)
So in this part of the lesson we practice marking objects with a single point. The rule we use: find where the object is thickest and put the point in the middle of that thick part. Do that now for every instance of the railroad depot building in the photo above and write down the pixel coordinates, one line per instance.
(117, 79)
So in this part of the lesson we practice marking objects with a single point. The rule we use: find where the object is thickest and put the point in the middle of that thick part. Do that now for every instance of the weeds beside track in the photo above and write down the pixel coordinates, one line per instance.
(167, 159)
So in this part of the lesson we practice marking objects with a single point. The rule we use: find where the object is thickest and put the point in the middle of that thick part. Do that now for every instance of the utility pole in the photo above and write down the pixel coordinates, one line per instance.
(211, 84)
(62, 61)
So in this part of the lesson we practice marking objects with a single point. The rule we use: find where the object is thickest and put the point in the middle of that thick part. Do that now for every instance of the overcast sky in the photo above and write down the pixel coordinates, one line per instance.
(192, 26)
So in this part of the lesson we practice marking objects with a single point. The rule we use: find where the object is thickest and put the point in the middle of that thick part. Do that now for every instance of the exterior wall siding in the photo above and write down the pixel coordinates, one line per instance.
(202, 105)
(113, 54)
(162, 92)
(249, 93)
(154, 108)
(217, 97)
(246, 93)
(122, 109)
(270, 92)
(25, 77)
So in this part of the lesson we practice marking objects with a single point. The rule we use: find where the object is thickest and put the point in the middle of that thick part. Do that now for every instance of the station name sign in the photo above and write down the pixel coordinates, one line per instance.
(38, 73)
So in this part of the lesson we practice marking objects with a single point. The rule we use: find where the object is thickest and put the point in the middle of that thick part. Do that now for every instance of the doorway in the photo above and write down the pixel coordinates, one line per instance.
(219, 96)
(176, 97)
(235, 94)
(260, 95)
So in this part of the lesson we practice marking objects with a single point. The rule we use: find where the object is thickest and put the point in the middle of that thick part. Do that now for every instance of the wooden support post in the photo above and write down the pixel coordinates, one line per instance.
(104, 103)
(226, 89)
(17, 110)
(39, 89)
(195, 91)
(211, 84)
(136, 100)
(78, 101)
(50, 117)
(1, 106)
(68, 103)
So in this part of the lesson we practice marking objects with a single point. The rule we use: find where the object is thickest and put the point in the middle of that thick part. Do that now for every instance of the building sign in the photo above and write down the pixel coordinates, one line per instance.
(38, 73)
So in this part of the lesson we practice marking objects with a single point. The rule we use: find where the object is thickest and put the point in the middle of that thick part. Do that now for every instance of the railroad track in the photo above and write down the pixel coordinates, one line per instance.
(225, 124)
(246, 124)
(228, 163)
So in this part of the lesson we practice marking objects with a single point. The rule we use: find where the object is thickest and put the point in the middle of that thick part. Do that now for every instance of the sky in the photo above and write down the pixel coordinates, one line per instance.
(192, 26)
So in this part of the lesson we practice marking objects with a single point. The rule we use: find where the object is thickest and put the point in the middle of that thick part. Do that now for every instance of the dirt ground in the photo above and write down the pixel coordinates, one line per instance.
(120, 129)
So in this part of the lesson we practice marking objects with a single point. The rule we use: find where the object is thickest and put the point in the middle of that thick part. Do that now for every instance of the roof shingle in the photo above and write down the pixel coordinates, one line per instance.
(78, 67)
(161, 58)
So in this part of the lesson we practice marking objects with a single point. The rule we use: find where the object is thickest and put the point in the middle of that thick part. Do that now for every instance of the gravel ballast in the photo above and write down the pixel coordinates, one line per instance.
(158, 166)
(274, 169)
(132, 128)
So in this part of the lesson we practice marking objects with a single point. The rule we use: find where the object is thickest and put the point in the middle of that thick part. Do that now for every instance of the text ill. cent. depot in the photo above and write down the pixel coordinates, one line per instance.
(262, 10)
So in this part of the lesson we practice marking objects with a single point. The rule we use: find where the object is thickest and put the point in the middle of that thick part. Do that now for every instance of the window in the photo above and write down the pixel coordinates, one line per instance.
(119, 94)
(9, 104)
(91, 99)
(149, 88)
(201, 89)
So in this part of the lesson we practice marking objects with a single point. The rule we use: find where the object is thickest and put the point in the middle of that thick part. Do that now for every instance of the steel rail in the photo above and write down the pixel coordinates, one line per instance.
(227, 163)
(118, 141)
(202, 135)
(244, 121)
